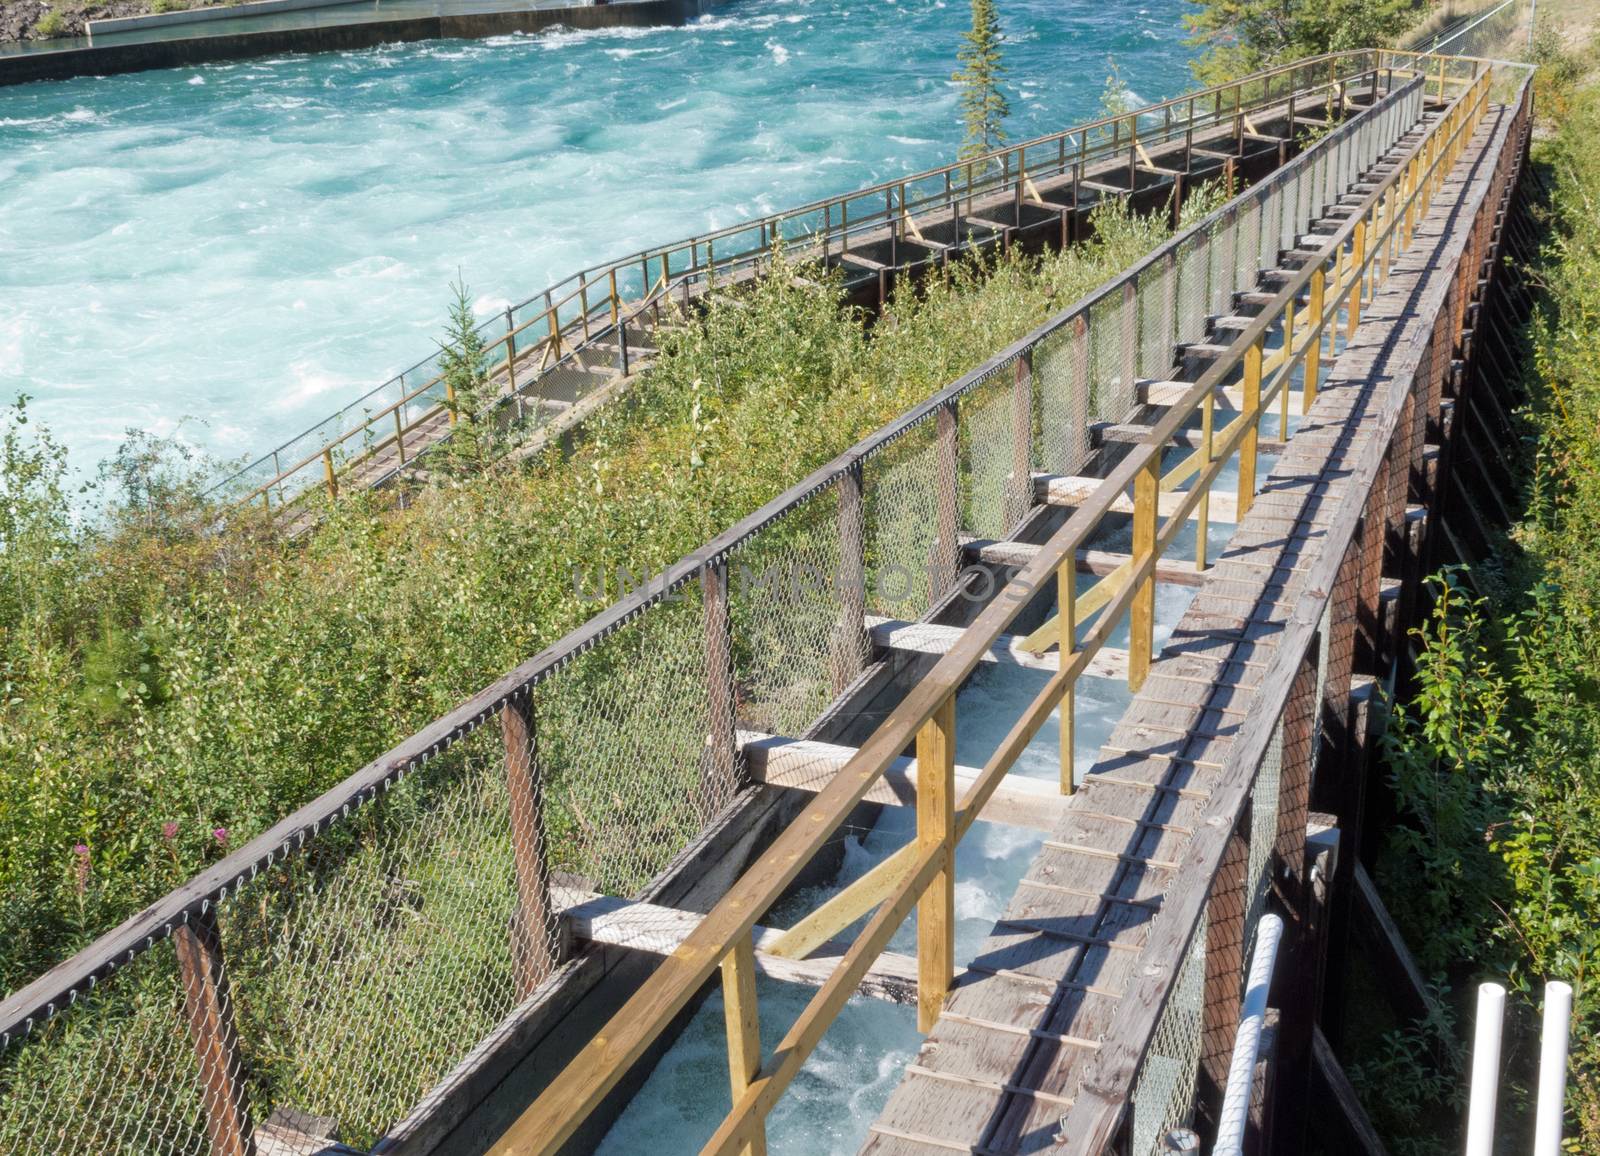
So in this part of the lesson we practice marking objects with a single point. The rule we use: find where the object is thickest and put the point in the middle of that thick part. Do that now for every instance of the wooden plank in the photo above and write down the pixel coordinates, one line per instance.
(1402, 979)
(808, 765)
(638, 926)
(1098, 562)
(1006, 650)
(1142, 615)
(1077, 490)
(1342, 1098)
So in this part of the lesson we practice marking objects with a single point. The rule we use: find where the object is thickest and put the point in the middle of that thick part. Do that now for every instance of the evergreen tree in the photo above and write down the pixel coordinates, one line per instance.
(983, 105)
(462, 364)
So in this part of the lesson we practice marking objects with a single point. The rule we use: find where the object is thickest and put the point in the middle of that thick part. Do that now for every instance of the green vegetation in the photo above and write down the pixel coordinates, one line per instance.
(1242, 36)
(1495, 761)
(463, 366)
(983, 105)
(51, 25)
(159, 684)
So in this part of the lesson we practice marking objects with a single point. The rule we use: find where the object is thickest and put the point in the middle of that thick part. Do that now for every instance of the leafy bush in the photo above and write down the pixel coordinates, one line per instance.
(162, 682)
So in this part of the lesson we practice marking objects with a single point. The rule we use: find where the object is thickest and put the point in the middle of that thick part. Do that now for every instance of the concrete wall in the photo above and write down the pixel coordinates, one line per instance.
(105, 59)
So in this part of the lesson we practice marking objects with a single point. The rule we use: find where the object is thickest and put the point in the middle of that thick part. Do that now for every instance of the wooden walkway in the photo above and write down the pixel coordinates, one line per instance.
(1022, 1038)
(1047, 211)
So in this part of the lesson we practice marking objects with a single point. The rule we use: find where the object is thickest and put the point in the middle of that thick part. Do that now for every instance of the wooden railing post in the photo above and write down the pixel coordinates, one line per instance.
(1251, 416)
(208, 1007)
(1142, 613)
(1067, 611)
(1313, 365)
(850, 639)
(511, 352)
(535, 933)
(399, 435)
(744, 1030)
(936, 918)
(719, 777)
(328, 473)
(1019, 487)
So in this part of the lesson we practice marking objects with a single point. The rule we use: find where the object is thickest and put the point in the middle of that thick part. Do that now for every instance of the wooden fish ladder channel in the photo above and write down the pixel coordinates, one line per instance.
(1334, 316)
(1100, 1013)
(558, 356)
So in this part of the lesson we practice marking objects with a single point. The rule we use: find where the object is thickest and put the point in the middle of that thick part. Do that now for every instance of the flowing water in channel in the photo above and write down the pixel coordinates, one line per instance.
(251, 245)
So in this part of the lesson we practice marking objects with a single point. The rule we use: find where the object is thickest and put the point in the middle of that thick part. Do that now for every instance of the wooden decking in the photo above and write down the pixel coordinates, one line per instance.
(1026, 1023)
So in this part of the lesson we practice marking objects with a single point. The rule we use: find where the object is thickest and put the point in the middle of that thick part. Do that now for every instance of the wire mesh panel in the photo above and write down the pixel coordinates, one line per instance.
(362, 974)
(786, 608)
(1163, 1096)
(1264, 801)
(906, 497)
(1111, 356)
(622, 732)
(117, 1076)
(1061, 385)
(1193, 286)
(989, 454)
(1155, 298)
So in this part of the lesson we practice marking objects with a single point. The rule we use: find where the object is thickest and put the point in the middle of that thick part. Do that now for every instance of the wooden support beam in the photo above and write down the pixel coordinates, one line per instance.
(1142, 614)
(1075, 490)
(535, 937)
(1135, 433)
(208, 1007)
(1097, 562)
(1398, 973)
(637, 926)
(936, 823)
(1342, 1102)
(809, 765)
(740, 1013)
(1007, 649)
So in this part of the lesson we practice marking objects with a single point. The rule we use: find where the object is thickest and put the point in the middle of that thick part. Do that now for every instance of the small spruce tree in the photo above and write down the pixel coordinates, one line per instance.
(983, 105)
(462, 360)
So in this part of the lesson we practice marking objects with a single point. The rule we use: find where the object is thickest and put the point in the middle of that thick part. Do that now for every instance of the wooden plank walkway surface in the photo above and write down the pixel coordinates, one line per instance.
(999, 1072)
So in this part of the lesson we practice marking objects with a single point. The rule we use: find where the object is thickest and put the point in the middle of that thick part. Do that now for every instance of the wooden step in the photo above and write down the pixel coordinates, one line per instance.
(808, 765)
(1006, 650)
(1072, 490)
(637, 926)
(1097, 562)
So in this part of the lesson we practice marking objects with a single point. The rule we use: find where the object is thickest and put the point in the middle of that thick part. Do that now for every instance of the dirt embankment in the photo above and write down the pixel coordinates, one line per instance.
(45, 19)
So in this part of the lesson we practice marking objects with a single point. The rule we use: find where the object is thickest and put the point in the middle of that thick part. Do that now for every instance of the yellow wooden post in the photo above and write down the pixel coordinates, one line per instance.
(615, 304)
(1441, 78)
(1142, 614)
(450, 400)
(1308, 388)
(327, 471)
(399, 435)
(1288, 373)
(744, 1028)
(1251, 416)
(1067, 612)
(936, 909)
(1358, 264)
(1208, 409)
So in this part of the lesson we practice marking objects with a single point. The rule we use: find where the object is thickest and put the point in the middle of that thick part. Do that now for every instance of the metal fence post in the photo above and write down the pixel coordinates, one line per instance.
(947, 486)
(1019, 489)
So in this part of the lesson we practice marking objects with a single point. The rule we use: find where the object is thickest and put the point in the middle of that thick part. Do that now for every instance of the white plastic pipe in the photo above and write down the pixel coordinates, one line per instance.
(1247, 1043)
(1485, 1069)
(1552, 1068)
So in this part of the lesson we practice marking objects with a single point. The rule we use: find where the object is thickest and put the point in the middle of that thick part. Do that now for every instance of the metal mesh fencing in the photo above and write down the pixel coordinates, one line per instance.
(908, 495)
(1061, 386)
(990, 496)
(1163, 1095)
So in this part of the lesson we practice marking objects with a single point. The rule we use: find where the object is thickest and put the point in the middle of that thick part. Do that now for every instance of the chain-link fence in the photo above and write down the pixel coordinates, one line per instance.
(322, 981)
